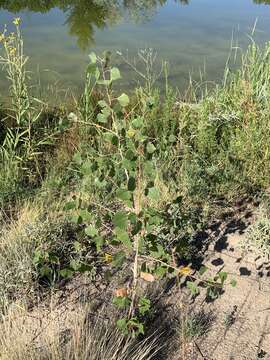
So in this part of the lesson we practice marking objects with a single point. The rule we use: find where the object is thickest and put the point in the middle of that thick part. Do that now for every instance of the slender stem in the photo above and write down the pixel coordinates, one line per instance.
(138, 208)
(177, 269)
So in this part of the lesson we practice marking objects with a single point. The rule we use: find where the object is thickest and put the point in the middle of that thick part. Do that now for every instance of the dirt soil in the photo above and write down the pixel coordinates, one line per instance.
(239, 328)
(240, 325)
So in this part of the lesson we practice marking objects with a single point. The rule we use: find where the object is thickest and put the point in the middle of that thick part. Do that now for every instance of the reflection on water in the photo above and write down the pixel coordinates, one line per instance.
(185, 35)
(83, 16)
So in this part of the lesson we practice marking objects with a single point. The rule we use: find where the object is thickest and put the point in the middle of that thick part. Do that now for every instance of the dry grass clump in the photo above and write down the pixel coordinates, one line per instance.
(258, 234)
(16, 249)
(19, 240)
(73, 336)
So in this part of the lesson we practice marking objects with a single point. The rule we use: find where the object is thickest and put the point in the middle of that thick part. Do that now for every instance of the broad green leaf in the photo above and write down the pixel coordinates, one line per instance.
(103, 116)
(85, 215)
(150, 148)
(91, 231)
(75, 264)
(122, 236)
(192, 287)
(203, 270)
(119, 259)
(108, 276)
(46, 271)
(114, 140)
(95, 166)
(123, 100)
(142, 244)
(233, 283)
(76, 219)
(136, 326)
(100, 184)
(121, 302)
(102, 104)
(130, 155)
(160, 271)
(85, 268)
(53, 259)
(123, 194)
(77, 246)
(212, 292)
(132, 218)
(137, 227)
(71, 205)
(131, 184)
(129, 165)
(154, 220)
(144, 305)
(172, 138)
(66, 273)
(153, 193)
(93, 57)
(223, 276)
(115, 74)
(149, 169)
(104, 82)
(137, 123)
(37, 257)
(99, 241)
(108, 136)
(106, 111)
(91, 69)
(120, 220)
(86, 168)
(77, 158)
(122, 325)
(157, 251)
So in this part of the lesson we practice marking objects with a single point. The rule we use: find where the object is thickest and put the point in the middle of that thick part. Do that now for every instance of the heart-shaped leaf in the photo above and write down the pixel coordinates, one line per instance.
(123, 100)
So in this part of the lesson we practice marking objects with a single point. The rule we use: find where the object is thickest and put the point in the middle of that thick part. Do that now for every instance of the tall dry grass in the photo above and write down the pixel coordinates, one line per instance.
(25, 335)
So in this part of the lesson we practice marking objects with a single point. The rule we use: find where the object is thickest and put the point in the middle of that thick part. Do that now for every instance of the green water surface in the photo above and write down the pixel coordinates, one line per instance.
(193, 35)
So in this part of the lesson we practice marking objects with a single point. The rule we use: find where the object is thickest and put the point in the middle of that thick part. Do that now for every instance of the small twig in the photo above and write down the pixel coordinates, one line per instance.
(199, 350)
(179, 270)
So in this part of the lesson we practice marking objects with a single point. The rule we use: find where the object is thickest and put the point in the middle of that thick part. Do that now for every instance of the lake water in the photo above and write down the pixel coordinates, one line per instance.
(192, 35)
